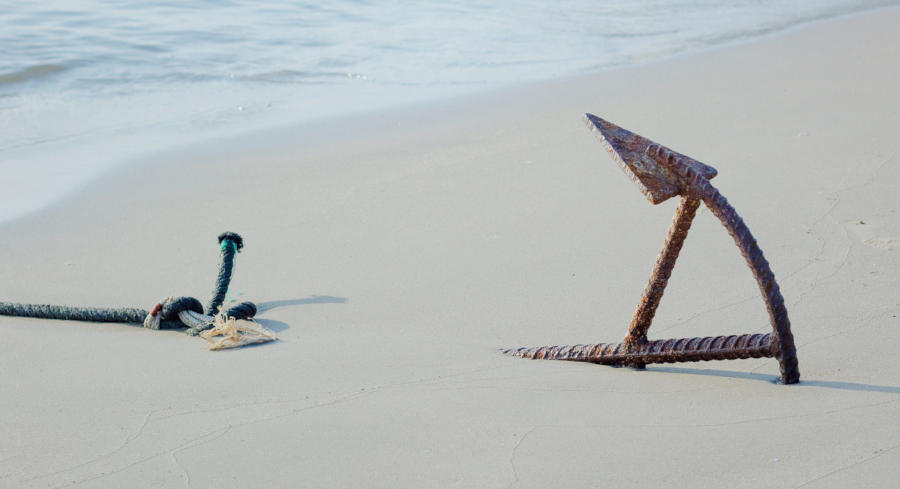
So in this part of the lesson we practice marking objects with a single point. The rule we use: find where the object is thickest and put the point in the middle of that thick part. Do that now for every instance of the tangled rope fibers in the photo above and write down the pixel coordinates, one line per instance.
(222, 329)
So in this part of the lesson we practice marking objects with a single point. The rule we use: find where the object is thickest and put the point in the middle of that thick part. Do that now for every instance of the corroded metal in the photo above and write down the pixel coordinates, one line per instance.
(665, 262)
(660, 174)
(658, 351)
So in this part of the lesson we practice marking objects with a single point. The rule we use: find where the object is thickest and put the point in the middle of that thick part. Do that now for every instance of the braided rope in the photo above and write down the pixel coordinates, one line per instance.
(191, 317)
(95, 314)
(169, 313)
(230, 244)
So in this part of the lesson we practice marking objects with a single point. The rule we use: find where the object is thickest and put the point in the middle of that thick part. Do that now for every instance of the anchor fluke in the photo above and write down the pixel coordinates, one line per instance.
(655, 179)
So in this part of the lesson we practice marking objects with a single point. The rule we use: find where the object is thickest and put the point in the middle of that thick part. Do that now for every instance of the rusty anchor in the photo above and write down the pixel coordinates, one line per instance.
(660, 174)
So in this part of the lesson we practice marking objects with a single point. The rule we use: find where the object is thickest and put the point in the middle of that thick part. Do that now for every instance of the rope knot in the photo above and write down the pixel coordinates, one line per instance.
(165, 313)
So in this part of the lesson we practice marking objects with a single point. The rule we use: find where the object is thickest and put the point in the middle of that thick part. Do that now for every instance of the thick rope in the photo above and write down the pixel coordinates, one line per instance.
(195, 320)
(231, 244)
(95, 314)
(171, 312)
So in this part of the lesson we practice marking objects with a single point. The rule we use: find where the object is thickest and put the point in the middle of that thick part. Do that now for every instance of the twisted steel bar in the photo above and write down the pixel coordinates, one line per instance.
(657, 351)
(659, 278)
(785, 352)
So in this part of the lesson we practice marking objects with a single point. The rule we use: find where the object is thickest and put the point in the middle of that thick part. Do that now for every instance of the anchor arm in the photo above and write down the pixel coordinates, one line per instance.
(783, 345)
(785, 351)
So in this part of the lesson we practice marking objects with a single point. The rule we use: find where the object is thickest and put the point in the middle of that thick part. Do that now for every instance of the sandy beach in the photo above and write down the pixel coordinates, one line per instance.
(396, 253)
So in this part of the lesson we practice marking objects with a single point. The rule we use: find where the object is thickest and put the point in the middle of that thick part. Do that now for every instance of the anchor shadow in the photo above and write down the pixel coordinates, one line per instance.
(827, 384)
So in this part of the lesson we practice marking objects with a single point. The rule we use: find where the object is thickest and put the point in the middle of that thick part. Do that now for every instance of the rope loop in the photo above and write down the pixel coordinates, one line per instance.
(165, 312)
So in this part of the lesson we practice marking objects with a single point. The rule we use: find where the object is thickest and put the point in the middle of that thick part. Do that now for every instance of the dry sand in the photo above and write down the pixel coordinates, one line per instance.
(395, 253)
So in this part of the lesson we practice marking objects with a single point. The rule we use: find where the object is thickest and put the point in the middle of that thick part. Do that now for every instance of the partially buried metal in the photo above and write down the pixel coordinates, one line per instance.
(661, 174)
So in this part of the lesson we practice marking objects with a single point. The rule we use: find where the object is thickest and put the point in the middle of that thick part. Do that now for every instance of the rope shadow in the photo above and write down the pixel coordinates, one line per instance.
(315, 299)
(827, 384)
(276, 326)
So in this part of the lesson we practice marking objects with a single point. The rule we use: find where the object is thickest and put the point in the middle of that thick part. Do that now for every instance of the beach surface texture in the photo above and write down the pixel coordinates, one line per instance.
(397, 253)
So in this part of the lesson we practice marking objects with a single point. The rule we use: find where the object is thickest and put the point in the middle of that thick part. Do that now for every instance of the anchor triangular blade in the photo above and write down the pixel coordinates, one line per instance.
(629, 150)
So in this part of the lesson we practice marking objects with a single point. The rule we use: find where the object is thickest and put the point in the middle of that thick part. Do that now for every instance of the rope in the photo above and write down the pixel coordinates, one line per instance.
(128, 315)
(96, 314)
(230, 244)
(171, 312)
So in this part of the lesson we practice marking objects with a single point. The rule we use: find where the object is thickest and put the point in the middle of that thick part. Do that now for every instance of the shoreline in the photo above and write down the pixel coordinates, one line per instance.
(395, 254)
(85, 173)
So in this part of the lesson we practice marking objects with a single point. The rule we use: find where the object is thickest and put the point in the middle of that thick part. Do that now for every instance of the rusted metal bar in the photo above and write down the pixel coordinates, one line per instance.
(786, 352)
(660, 174)
(665, 262)
(658, 351)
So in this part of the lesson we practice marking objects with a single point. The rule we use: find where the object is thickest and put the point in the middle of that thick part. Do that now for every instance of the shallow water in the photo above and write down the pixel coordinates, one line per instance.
(89, 84)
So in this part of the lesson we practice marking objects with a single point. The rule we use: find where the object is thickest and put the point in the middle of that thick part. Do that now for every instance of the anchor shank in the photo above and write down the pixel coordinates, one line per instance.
(665, 262)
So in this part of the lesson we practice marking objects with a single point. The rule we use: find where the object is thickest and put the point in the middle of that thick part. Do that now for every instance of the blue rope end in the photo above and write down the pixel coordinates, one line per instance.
(237, 242)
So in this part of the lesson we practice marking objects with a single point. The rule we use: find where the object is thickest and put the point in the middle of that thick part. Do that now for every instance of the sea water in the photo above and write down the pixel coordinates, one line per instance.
(86, 85)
